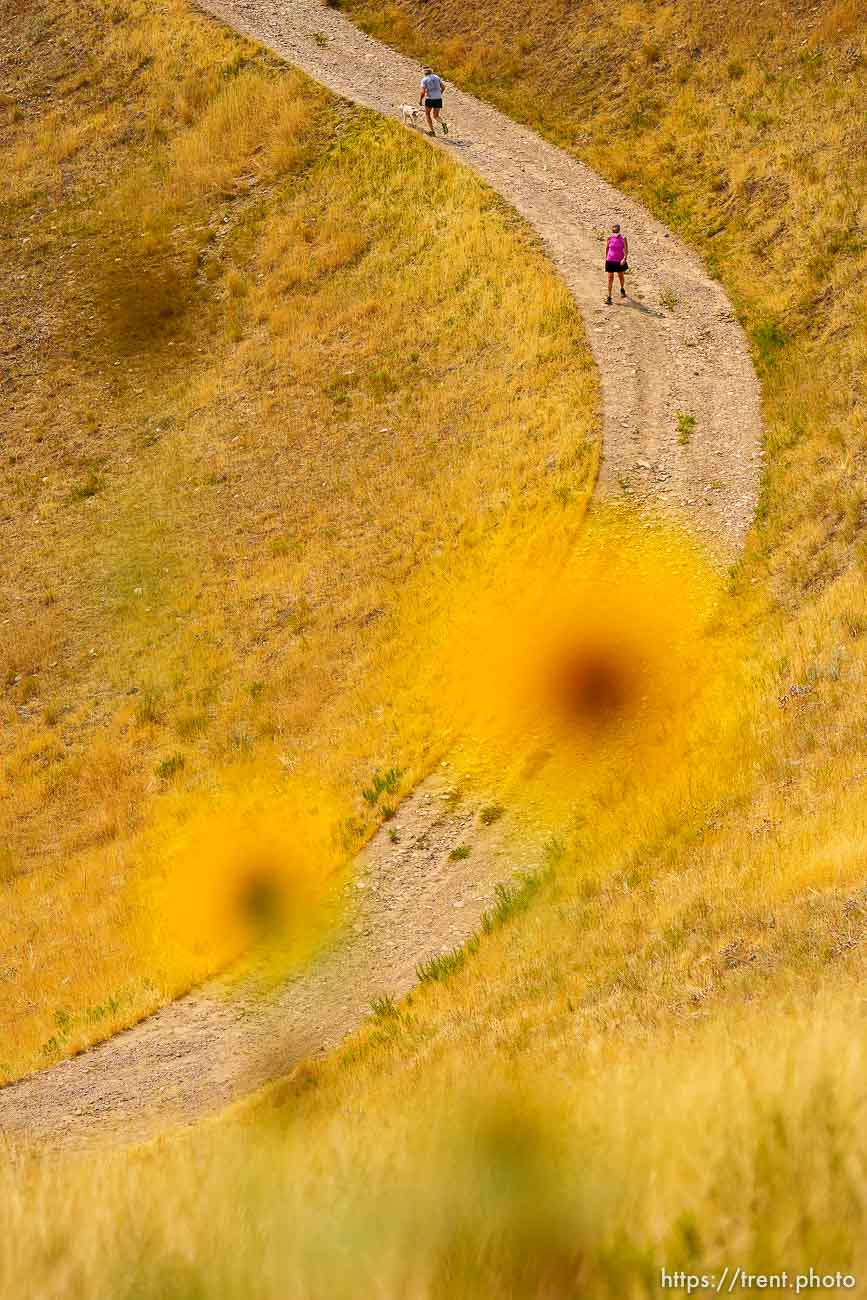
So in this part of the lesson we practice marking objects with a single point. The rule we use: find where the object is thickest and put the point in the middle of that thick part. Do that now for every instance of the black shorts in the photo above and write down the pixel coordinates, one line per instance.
(616, 266)
(433, 103)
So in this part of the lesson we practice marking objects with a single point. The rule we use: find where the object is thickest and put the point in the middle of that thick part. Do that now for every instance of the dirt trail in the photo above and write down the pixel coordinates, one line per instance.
(409, 900)
(654, 362)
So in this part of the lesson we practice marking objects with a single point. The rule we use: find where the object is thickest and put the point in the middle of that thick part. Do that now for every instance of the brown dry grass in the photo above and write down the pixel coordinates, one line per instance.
(743, 129)
(674, 1019)
(256, 389)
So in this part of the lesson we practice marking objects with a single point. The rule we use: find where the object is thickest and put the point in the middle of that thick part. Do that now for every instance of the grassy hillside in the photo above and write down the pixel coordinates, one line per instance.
(742, 127)
(255, 390)
(654, 1055)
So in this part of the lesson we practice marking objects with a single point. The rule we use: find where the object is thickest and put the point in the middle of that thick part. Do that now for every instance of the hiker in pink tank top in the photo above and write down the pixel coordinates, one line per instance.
(616, 254)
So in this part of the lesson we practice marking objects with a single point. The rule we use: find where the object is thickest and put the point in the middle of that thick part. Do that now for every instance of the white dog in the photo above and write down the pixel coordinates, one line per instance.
(410, 114)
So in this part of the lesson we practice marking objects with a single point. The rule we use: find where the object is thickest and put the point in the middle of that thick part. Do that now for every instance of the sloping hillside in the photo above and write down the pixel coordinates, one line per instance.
(654, 1060)
(742, 127)
(256, 388)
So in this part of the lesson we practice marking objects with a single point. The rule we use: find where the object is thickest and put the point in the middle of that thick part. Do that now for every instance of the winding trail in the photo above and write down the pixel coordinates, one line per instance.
(653, 363)
(409, 900)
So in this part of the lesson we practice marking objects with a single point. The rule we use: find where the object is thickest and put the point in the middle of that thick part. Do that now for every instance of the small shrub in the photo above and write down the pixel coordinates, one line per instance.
(770, 338)
(147, 713)
(29, 689)
(298, 618)
(285, 546)
(339, 389)
(459, 853)
(492, 813)
(93, 1015)
(235, 66)
(512, 899)
(351, 831)
(668, 299)
(380, 785)
(170, 766)
(381, 383)
(685, 427)
(855, 624)
(555, 851)
(388, 811)
(383, 1008)
(190, 725)
(237, 285)
(83, 491)
(439, 969)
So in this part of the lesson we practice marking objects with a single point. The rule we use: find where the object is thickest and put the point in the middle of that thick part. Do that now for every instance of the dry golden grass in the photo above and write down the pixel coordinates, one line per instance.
(743, 129)
(398, 1169)
(260, 390)
(673, 1018)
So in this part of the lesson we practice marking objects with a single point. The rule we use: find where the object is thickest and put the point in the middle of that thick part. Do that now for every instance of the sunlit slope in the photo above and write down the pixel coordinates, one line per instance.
(655, 1056)
(738, 131)
(742, 127)
(271, 363)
